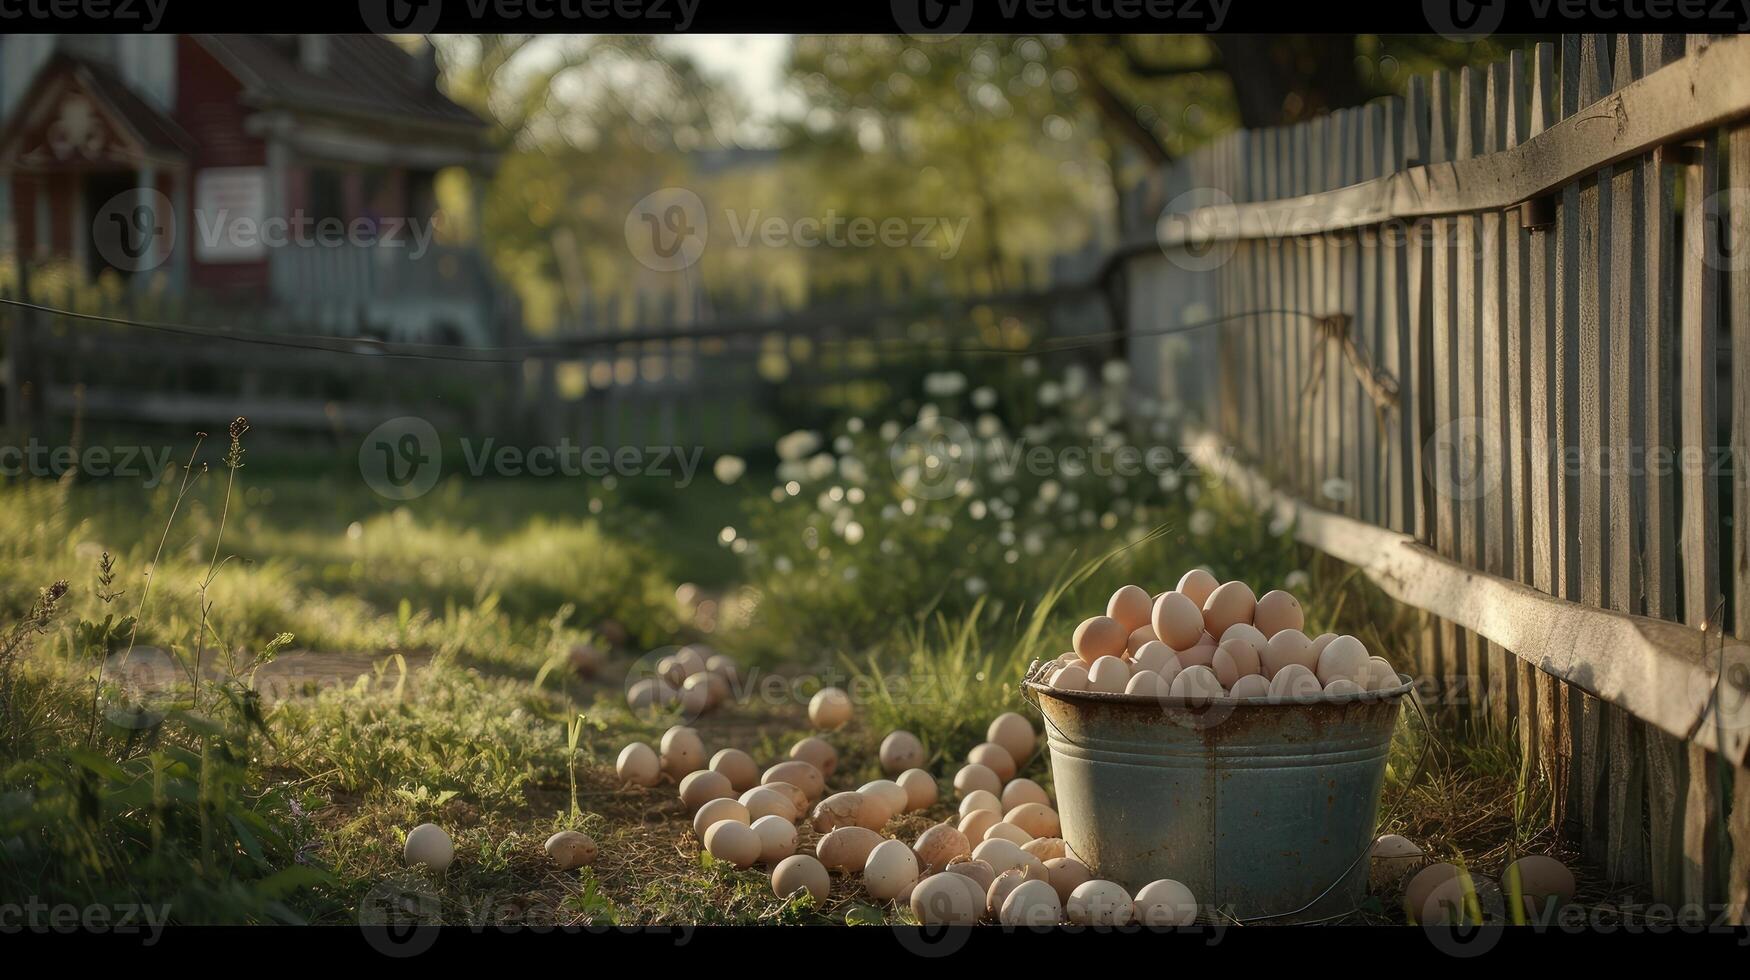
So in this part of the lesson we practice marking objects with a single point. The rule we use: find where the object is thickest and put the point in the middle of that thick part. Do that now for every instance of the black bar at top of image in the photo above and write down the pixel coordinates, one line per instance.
(1458, 19)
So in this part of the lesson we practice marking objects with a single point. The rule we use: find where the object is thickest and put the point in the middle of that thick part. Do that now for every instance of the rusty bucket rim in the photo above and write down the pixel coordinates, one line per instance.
(1038, 688)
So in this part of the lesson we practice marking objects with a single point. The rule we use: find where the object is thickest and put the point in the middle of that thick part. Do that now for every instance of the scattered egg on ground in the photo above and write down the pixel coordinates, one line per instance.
(939, 845)
(995, 758)
(430, 845)
(920, 788)
(1099, 903)
(777, 838)
(723, 808)
(976, 776)
(799, 872)
(738, 766)
(570, 849)
(1031, 903)
(889, 869)
(900, 751)
(638, 764)
(1165, 903)
(733, 842)
(1015, 734)
(829, 709)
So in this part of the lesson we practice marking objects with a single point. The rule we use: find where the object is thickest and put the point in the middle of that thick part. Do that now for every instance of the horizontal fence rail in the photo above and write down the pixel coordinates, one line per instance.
(1489, 342)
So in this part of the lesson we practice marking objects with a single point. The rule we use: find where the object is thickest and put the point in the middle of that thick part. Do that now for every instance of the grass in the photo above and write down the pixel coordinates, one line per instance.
(425, 675)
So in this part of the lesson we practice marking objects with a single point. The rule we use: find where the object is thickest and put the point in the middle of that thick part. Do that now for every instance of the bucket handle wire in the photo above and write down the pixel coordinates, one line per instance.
(1032, 698)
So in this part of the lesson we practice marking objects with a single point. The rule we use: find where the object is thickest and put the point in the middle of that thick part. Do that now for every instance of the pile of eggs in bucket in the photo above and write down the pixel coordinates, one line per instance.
(1001, 860)
(1209, 639)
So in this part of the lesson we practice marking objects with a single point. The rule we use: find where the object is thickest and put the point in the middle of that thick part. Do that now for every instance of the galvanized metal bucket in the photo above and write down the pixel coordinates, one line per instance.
(1264, 810)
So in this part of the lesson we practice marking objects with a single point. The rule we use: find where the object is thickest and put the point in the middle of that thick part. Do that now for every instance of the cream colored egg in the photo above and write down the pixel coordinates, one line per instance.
(1139, 638)
(1379, 675)
(1037, 819)
(941, 844)
(1233, 660)
(1341, 687)
(798, 774)
(829, 709)
(777, 838)
(738, 766)
(430, 845)
(892, 795)
(1147, 684)
(846, 848)
(1318, 646)
(1197, 683)
(1153, 655)
(981, 873)
(638, 764)
(890, 869)
(695, 695)
(849, 809)
(920, 789)
(1294, 683)
(998, 891)
(1230, 603)
(946, 899)
(1245, 632)
(1046, 848)
(651, 692)
(1542, 883)
(1099, 636)
(1177, 620)
(1066, 874)
(817, 752)
(1130, 607)
(1344, 657)
(1201, 655)
(1099, 903)
(1451, 902)
(1392, 858)
(570, 849)
(1423, 884)
(1015, 734)
(980, 799)
(1002, 854)
(1031, 903)
(703, 786)
(1290, 646)
(763, 801)
(722, 808)
(1019, 791)
(995, 758)
(733, 842)
(975, 824)
(1007, 831)
(1196, 585)
(975, 776)
(1278, 611)
(900, 751)
(1165, 903)
(798, 873)
(1108, 675)
(683, 751)
(1072, 677)
(1250, 687)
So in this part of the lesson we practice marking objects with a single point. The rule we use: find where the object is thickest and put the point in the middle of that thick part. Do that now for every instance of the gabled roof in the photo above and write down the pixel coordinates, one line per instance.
(363, 76)
(148, 130)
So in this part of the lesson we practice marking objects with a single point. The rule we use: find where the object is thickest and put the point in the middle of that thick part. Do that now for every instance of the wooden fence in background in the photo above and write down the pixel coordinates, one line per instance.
(1489, 343)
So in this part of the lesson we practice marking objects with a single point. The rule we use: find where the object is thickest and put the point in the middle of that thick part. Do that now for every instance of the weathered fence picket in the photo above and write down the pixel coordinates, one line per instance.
(1554, 311)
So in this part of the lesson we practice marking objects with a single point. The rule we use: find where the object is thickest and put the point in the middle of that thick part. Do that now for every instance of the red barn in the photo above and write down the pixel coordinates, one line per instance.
(291, 170)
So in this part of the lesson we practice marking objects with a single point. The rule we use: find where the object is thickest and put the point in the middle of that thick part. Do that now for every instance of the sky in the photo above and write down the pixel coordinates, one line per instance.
(753, 63)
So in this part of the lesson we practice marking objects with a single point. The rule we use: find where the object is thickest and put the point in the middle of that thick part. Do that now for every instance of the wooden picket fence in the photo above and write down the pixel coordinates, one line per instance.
(1412, 326)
